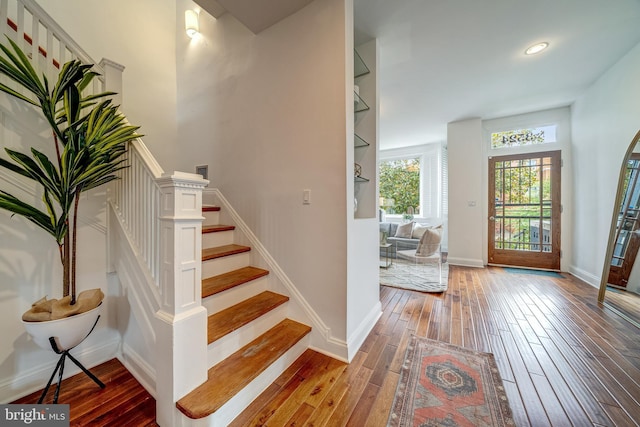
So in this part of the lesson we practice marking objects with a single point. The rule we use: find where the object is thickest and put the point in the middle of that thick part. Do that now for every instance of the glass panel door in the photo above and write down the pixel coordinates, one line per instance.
(524, 210)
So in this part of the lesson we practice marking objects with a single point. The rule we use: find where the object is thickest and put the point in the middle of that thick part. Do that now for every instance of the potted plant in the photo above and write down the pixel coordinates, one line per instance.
(89, 136)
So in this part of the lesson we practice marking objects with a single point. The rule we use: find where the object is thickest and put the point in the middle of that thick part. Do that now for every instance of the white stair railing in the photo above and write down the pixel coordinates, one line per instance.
(135, 197)
(156, 220)
(44, 41)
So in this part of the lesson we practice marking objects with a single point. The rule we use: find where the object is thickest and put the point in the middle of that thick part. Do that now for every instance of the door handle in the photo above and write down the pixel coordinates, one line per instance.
(492, 218)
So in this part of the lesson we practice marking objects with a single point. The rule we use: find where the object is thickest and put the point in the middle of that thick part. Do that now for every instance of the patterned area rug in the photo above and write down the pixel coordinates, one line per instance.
(449, 386)
(416, 277)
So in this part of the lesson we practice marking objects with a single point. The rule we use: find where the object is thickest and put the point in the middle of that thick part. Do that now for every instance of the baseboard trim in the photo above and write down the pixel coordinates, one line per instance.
(36, 378)
(139, 368)
(465, 262)
(585, 276)
(354, 342)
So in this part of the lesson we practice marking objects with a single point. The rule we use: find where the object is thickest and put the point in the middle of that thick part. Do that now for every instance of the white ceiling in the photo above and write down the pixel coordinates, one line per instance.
(256, 15)
(448, 60)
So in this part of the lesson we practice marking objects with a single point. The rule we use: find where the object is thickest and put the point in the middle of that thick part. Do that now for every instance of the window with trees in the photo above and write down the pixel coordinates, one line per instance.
(400, 185)
(411, 180)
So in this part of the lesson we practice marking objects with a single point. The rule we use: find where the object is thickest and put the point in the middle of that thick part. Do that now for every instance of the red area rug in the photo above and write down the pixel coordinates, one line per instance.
(442, 385)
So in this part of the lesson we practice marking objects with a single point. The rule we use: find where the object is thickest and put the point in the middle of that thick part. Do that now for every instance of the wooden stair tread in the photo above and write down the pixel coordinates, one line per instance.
(231, 375)
(234, 317)
(223, 282)
(217, 228)
(210, 208)
(222, 251)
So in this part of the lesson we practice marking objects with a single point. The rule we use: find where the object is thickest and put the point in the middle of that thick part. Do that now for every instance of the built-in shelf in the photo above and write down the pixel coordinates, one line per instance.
(364, 191)
(359, 67)
(359, 142)
(359, 104)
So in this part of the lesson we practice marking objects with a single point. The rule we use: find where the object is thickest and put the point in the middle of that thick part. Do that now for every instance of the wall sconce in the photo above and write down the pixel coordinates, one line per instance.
(191, 23)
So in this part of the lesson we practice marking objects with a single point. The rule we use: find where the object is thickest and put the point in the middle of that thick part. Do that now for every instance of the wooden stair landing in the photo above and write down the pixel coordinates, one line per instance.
(231, 375)
(235, 317)
(223, 282)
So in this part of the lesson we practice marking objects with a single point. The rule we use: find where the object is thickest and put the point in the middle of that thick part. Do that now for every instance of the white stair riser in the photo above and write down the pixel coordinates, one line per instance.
(211, 218)
(230, 410)
(219, 238)
(222, 300)
(220, 349)
(213, 267)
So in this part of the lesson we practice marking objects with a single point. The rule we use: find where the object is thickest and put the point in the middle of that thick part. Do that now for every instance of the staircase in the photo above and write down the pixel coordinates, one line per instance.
(250, 339)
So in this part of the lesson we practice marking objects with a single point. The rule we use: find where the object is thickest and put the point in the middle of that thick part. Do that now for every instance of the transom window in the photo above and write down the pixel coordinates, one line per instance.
(521, 137)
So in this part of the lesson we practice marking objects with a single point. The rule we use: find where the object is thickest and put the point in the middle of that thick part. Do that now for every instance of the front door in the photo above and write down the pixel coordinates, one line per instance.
(524, 210)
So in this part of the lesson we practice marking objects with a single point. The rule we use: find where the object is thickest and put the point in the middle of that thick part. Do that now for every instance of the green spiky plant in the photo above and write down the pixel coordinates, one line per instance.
(90, 137)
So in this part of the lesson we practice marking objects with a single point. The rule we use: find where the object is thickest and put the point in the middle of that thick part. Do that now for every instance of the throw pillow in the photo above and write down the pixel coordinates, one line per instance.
(418, 231)
(429, 242)
(404, 230)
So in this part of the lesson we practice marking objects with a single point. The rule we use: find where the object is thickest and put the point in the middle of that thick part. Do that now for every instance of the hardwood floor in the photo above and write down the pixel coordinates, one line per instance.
(564, 360)
(123, 402)
(627, 303)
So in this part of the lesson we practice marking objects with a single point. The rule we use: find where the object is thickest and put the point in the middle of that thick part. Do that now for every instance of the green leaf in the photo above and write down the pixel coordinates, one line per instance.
(17, 206)
(72, 103)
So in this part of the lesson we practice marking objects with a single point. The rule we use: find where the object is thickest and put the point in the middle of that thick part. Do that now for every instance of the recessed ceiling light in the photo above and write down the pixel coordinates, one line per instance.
(536, 48)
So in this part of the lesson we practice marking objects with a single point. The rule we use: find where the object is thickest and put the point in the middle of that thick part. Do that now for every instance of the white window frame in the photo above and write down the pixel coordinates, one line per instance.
(429, 156)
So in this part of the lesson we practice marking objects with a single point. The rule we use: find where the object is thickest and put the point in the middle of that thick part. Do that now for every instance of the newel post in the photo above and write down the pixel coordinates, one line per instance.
(181, 326)
(112, 74)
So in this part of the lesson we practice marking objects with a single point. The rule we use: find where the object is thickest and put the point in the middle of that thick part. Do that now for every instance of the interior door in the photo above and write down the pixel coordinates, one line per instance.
(627, 238)
(524, 210)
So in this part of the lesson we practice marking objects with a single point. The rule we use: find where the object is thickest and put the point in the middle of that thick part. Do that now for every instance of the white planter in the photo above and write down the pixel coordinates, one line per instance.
(69, 331)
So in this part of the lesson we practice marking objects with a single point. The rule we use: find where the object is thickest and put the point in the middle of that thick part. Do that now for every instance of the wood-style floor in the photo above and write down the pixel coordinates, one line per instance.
(564, 359)
(123, 402)
(627, 303)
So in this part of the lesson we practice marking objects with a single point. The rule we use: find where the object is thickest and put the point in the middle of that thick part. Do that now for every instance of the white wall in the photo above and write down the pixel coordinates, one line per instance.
(30, 265)
(363, 236)
(266, 112)
(468, 152)
(30, 269)
(139, 35)
(466, 198)
(117, 30)
(605, 120)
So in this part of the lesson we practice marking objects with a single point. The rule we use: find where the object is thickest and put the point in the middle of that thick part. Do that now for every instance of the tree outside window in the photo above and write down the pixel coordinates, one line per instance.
(400, 185)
